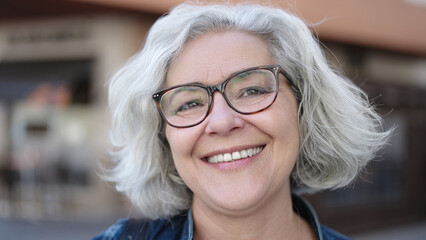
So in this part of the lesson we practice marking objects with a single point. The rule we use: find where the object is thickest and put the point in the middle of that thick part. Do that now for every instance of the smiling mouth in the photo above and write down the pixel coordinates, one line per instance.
(237, 155)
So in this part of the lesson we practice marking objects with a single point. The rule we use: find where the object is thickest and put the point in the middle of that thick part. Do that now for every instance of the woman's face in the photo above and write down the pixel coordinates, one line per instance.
(242, 185)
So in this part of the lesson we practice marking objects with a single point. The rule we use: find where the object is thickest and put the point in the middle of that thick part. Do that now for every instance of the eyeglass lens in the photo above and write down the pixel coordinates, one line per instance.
(247, 92)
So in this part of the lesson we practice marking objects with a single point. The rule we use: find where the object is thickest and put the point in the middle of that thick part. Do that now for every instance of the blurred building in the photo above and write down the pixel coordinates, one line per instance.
(56, 56)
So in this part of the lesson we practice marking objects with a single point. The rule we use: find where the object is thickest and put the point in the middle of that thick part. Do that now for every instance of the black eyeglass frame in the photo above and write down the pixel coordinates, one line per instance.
(220, 87)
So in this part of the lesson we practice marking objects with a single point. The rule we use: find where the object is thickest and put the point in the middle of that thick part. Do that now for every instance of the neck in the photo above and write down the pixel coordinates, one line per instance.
(271, 220)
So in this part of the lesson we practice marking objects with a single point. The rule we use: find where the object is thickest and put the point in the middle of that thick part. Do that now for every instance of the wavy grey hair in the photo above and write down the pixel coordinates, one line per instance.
(339, 130)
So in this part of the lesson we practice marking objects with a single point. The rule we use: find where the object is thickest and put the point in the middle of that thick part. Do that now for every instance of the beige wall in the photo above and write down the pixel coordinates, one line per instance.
(397, 25)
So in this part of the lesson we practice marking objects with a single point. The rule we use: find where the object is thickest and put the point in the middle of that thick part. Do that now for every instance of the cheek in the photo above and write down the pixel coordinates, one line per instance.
(283, 127)
(181, 142)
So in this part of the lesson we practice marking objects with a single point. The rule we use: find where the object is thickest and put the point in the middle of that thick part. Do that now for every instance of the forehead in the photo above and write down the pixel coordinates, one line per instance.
(211, 58)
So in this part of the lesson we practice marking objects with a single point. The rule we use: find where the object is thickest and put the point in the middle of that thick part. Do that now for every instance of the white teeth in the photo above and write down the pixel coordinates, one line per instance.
(236, 155)
(250, 152)
(227, 157)
(244, 154)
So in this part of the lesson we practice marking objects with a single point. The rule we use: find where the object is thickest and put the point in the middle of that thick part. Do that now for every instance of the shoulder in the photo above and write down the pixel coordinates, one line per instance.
(113, 232)
(329, 234)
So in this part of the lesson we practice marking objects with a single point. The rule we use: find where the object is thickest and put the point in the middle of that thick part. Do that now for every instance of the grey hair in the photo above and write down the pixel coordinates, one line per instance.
(339, 130)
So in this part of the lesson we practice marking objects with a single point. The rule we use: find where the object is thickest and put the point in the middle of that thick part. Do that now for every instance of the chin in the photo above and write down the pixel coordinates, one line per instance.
(238, 202)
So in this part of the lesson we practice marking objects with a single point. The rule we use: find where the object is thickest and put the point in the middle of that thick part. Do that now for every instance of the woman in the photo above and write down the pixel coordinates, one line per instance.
(220, 111)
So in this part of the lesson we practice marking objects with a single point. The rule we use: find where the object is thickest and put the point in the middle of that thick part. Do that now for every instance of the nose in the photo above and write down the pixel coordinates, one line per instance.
(222, 119)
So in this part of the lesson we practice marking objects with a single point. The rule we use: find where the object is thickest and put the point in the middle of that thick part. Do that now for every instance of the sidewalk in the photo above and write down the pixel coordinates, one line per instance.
(51, 230)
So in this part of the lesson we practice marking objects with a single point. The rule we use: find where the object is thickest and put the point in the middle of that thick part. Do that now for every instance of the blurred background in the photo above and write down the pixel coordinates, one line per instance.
(56, 56)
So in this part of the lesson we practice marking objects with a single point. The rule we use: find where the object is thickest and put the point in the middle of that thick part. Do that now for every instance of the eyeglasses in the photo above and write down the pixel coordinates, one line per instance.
(248, 91)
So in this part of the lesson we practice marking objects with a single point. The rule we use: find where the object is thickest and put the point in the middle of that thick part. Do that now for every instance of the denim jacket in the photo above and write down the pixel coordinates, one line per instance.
(181, 227)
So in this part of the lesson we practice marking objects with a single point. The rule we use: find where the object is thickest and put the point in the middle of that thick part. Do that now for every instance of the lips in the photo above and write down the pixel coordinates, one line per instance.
(233, 156)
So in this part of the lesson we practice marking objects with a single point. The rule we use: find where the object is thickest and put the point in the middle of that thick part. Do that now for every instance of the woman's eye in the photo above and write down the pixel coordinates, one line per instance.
(189, 105)
(253, 91)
